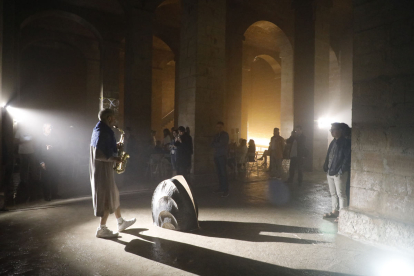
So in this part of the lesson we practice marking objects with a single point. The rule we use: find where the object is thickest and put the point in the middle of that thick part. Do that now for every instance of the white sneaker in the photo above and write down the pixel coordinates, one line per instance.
(105, 233)
(125, 224)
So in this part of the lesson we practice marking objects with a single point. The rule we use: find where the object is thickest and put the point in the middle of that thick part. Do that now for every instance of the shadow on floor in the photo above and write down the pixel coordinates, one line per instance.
(250, 231)
(202, 261)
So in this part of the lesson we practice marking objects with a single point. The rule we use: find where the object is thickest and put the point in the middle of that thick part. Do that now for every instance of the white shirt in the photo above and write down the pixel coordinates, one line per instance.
(26, 140)
(166, 140)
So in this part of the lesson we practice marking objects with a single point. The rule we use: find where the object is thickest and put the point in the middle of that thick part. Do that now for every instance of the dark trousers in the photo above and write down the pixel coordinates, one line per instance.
(221, 162)
(183, 167)
(50, 182)
(296, 163)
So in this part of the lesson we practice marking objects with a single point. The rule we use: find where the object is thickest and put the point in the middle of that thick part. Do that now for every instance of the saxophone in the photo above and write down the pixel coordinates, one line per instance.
(120, 167)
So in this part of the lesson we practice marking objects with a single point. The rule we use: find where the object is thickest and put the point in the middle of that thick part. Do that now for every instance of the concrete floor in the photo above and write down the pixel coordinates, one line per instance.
(262, 228)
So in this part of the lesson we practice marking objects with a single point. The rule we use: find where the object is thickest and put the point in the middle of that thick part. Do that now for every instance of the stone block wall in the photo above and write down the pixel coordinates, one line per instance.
(202, 73)
(382, 198)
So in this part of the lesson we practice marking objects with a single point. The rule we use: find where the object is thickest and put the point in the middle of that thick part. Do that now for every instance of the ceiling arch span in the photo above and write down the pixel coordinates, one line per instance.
(63, 14)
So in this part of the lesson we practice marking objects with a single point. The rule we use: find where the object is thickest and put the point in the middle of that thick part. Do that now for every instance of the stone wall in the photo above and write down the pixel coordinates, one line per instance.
(382, 198)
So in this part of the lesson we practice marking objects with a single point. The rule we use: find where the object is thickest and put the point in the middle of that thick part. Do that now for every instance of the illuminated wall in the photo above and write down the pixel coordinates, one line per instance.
(264, 107)
(163, 87)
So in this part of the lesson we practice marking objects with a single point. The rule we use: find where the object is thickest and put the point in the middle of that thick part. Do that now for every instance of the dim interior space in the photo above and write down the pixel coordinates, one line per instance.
(238, 137)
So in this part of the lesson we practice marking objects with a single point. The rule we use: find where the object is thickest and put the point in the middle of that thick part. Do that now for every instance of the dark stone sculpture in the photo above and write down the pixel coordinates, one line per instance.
(173, 205)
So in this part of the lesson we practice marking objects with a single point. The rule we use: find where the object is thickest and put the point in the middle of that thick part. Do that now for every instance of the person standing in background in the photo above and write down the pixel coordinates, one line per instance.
(220, 144)
(276, 147)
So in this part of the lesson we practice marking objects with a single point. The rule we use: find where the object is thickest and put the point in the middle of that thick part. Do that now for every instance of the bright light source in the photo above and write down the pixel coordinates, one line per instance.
(17, 114)
(260, 141)
(325, 122)
(396, 267)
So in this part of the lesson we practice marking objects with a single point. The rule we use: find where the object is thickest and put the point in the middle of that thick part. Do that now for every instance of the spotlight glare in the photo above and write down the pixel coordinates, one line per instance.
(324, 123)
(396, 267)
(17, 114)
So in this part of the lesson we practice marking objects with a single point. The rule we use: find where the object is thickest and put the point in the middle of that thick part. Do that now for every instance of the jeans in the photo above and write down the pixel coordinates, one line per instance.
(337, 188)
(221, 162)
(50, 181)
(174, 162)
(296, 163)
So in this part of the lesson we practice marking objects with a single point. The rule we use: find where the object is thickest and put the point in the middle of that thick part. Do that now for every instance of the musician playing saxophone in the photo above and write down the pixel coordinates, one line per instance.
(103, 156)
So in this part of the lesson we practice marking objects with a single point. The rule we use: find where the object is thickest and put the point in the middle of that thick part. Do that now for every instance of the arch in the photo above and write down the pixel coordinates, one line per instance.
(275, 21)
(272, 62)
(275, 35)
(265, 40)
(66, 35)
(63, 14)
(63, 42)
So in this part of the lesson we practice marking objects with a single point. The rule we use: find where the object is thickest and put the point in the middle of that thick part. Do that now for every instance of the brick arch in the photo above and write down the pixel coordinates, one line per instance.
(278, 53)
(281, 35)
(251, 21)
(92, 52)
(63, 14)
(272, 62)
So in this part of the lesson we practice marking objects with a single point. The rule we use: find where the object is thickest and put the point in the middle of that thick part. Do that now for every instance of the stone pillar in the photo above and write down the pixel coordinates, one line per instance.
(156, 101)
(246, 92)
(346, 75)
(176, 91)
(111, 70)
(286, 110)
(202, 75)
(382, 167)
(2, 100)
(138, 86)
(234, 59)
(8, 86)
(93, 91)
(311, 79)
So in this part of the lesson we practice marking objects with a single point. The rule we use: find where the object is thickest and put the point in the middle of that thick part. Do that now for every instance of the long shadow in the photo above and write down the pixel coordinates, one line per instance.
(202, 261)
(249, 231)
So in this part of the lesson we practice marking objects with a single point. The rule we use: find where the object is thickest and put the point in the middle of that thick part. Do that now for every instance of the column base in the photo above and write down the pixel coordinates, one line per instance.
(376, 230)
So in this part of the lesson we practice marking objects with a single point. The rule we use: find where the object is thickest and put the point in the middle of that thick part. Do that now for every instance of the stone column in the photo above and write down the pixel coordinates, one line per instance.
(177, 90)
(382, 176)
(202, 75)
(246, 92)
(2, 100)
(156, 101)
(311, 79)
(93, 90)
(234, 59)
(346, 57)
(138, 86)
(111, 70)
(8, 90)
(286, 110)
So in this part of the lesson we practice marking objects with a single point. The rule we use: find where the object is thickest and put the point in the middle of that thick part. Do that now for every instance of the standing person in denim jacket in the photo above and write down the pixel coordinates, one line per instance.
(337, 166)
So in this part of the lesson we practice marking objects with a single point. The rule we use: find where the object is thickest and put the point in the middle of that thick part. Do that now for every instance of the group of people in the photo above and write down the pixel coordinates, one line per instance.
(337, 163)
(177, 145)
(103, 155)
